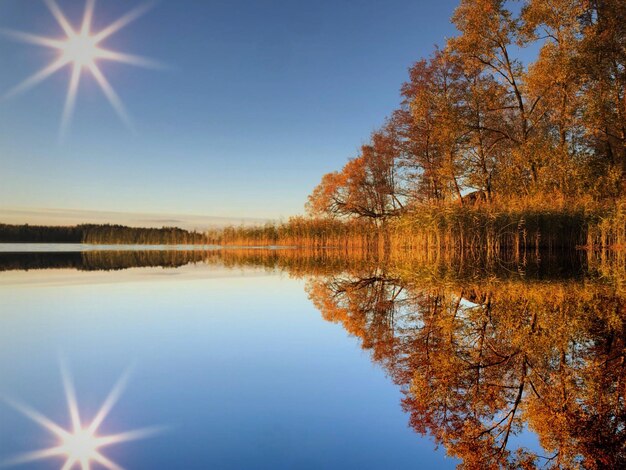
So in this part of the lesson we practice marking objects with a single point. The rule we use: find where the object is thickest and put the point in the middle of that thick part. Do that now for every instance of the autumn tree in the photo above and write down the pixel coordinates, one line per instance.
(489, 34)
(602, 65)
(432, 97)
(477, 124)
(418, 124)
(368, 186)
(484, 145)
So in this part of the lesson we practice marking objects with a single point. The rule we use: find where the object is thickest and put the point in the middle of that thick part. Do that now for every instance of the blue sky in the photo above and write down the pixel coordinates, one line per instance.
(258, 100)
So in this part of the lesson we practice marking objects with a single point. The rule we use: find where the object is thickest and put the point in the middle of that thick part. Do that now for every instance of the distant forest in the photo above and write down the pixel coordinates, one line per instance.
(99, 234)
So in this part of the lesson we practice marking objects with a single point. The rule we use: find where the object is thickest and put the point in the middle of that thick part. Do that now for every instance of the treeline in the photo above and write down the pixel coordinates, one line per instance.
(483, 141)
(99, 234)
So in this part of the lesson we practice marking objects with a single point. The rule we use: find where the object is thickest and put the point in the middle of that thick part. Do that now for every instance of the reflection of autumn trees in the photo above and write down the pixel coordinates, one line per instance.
(481, 351)
(367, 307)
(479, 362)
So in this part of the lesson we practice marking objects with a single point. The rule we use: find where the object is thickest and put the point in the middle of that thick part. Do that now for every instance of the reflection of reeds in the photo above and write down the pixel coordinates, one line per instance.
(430, 264)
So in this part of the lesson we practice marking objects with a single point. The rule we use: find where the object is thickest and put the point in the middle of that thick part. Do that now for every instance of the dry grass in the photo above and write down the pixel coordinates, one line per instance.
(515, 226)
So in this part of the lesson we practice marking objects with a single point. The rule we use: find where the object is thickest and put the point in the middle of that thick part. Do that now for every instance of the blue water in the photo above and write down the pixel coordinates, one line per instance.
(237, 366)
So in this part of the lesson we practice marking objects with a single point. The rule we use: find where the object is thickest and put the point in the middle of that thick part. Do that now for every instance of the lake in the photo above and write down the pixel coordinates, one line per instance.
(264, 358)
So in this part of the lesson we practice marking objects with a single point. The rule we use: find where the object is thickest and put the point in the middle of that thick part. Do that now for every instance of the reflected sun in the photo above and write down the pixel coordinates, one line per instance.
(81, 50)
(81, 447)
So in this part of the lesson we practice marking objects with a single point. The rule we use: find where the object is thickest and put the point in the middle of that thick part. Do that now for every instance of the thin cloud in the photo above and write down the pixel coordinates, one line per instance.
(54, 216)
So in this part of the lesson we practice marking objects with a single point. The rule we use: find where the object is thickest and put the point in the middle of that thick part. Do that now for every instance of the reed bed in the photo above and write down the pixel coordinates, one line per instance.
(490, 230)
(608, 229)
(301, 232)
(483, 229)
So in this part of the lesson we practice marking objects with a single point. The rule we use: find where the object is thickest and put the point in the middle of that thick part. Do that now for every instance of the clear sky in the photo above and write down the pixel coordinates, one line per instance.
(259, 99)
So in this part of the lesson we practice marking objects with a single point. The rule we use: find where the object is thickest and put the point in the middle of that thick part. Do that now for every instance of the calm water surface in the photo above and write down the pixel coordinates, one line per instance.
(280, 359)
(236, 364)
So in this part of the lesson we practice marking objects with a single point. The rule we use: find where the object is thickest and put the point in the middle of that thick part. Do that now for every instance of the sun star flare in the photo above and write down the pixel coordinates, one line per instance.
(81, 446)
(82, 50)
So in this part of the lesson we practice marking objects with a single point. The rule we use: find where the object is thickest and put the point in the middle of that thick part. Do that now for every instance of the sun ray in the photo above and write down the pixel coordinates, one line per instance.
(32, 38)
(34, 456)
(124, 21)
(37, 78)
(109, 402)
(106, 463)
(79, 49)
(38, 418)
(80, 446)
(128, 436)
(90, 6)
(130, 59)
(69, 464)
(111, 95)
(70, 100)
(70, 397)
(60, 17)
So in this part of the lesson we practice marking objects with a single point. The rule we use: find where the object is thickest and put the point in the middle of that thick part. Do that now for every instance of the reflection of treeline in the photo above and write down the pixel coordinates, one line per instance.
(99, 234)
(321, 262)
(480, 360)
(296, 262)
(482, 348)
(27, 261)
(102, 260)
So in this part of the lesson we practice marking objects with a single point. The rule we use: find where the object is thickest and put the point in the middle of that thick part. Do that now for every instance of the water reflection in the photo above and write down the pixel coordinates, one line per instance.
(106, 260)
(81, 446)
(480, 361)
(484, 351)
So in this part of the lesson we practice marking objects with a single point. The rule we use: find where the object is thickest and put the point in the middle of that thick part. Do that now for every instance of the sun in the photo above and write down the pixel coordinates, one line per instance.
(81, 49)
(80, 447)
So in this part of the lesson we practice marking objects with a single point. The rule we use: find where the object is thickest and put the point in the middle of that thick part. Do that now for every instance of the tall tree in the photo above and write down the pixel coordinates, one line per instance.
(489, 33)
(602, 63)
(556, 78)
(436, 129)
